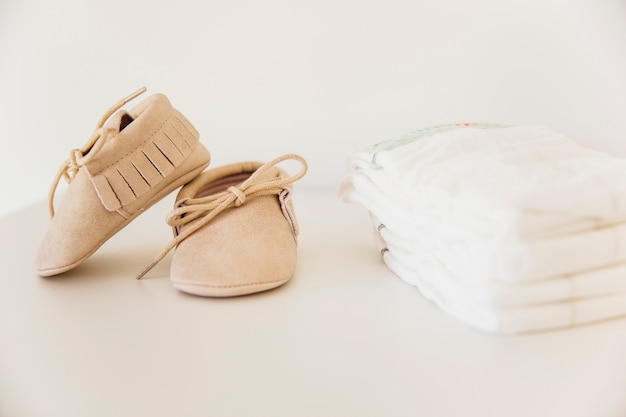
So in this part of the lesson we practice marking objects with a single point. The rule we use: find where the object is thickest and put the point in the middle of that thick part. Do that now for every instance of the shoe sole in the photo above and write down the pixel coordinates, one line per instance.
(228, 291)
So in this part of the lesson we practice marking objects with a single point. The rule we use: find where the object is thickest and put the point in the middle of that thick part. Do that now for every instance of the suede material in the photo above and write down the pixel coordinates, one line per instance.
(244, 250)
(79, 224)
(150, 116)
(82, 222)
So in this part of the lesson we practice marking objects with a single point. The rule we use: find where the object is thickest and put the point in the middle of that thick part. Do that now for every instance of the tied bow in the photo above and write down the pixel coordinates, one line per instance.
(195, 213)
(78, 157)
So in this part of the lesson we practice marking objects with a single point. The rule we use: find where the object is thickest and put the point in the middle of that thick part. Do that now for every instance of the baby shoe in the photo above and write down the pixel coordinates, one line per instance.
(133, 159)
(234, 230)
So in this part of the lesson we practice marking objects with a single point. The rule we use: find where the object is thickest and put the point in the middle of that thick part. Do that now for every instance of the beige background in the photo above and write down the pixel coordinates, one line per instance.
(345, 337)
(315, 77)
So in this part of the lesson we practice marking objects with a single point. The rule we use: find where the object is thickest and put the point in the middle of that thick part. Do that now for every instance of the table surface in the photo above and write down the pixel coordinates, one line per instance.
(345, 337)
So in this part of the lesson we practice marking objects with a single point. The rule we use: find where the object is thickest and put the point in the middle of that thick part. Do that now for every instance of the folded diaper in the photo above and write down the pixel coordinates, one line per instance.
(510, 229)
(432, 271)
(484, 249)
(512, 307)
(521, 319)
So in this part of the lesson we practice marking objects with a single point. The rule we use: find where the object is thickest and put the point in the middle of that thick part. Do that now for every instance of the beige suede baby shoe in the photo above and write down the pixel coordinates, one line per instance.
(133, 159)
(235, 230)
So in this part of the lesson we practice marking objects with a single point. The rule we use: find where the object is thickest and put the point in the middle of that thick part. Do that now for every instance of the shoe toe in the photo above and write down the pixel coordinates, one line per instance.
(249, 249)
(78, 228)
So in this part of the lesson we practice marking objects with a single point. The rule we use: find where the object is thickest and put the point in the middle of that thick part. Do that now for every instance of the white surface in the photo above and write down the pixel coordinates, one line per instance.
(320, 78)
(345, 337)
(259, 79)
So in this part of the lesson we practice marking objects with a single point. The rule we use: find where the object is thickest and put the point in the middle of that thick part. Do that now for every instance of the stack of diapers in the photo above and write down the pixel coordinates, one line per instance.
(510, 229)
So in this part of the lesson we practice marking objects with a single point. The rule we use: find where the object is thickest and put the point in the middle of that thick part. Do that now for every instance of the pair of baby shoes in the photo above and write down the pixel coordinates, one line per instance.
(234, 226)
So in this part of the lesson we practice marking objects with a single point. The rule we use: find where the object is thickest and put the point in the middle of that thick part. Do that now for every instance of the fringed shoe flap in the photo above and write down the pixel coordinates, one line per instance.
(146, 164)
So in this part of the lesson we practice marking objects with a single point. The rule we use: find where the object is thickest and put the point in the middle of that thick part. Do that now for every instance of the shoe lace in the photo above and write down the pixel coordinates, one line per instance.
(198, 212)
(78, 157)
